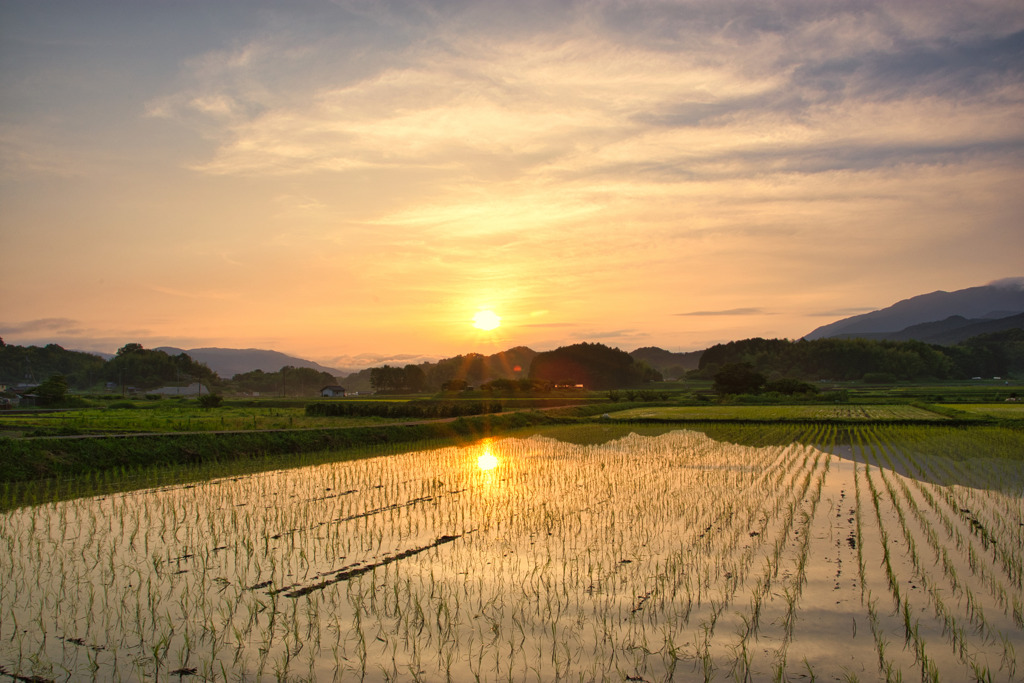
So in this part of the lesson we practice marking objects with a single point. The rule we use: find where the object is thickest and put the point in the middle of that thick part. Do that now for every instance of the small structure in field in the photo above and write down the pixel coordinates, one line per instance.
(333, 391)
(194, 389)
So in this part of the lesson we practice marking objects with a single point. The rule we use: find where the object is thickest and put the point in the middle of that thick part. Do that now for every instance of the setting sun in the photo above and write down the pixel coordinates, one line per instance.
(487, 461)
(486, 320)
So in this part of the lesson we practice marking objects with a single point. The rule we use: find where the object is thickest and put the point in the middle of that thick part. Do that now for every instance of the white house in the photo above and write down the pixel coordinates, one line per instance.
(333, 391)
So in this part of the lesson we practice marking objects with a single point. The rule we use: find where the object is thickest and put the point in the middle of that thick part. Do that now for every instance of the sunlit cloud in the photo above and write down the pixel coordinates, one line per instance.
(195, 294)
(54, 325)
(331, 175)
(1008, 283)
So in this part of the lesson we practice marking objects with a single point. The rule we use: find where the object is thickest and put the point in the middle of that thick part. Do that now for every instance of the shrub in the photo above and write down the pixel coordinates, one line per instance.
(413, 409)
(211, 400)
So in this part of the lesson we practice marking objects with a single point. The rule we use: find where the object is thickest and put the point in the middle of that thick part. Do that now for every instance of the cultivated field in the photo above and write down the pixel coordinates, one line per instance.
(780, 412)
(676, 557)
(1006, 411)
(173, 416)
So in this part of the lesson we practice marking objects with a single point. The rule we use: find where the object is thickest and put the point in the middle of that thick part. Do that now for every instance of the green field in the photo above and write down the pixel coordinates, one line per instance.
(1003, 411)
(172, 416)
(780, 412)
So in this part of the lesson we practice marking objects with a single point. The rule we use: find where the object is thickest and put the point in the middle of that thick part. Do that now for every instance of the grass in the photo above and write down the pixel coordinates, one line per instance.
(1003, 411)
(173, 416)
(868, 413)
(37, 470)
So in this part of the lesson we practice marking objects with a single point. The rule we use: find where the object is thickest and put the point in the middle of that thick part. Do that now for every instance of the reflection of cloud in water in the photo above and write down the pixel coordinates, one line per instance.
(581, 551)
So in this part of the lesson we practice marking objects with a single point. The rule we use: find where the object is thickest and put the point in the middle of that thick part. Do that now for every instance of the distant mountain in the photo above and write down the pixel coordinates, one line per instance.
(951, 331)
(229, 362)
(1000, 299)
(671, 365)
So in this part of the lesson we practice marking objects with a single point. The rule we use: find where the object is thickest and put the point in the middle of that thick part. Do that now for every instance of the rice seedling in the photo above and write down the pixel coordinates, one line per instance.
(640, 558)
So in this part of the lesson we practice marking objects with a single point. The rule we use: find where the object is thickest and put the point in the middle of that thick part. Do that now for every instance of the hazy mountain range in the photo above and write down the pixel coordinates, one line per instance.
(937, 314)
(937, 318)
(229, 362)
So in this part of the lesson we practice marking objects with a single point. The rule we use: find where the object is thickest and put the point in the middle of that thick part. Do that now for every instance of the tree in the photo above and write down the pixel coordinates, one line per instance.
(34, 363)
(738, 378)
(387, 378)
(130, 348)
(455, 385)
(145, 368)
(52, 391)
(415, 378)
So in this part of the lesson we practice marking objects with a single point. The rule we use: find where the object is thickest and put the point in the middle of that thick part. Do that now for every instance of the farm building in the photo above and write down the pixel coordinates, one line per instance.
(332, 391)
(194, 389)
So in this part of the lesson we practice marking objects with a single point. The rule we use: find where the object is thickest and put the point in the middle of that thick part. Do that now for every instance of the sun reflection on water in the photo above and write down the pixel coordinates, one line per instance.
(487, 461)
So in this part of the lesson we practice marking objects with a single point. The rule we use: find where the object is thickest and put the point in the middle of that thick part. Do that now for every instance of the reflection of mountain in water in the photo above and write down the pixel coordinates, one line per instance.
(980, 457)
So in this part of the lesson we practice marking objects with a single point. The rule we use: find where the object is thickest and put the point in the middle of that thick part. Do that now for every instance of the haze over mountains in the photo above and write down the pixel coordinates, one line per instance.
(229, 362)
(937, 314)
(940, 317)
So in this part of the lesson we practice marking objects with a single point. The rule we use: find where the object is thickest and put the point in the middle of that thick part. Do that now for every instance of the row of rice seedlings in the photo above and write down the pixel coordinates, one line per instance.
(956, 633)
(950, 626)
(994, 586)
(974, 609)
(886, 664)
(572, 561)
(901, 604)
(977, 515)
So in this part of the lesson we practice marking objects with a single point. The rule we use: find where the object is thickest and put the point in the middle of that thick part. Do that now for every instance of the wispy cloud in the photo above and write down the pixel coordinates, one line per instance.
(1008, 283)
(348, 170)
(841, 312)
(728, 311)
(42, 325)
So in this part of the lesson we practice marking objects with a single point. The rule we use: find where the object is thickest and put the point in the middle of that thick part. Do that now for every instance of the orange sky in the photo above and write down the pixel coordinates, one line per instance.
(351, 181)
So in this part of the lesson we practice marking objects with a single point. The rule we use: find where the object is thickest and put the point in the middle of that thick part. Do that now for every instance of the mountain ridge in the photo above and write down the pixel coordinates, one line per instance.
(996, 300)
(227, 362)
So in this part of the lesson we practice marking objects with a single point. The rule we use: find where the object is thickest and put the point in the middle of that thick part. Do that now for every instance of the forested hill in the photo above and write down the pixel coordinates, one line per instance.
(999, 354)
(471, 368)
(133, 366)
(34, 364)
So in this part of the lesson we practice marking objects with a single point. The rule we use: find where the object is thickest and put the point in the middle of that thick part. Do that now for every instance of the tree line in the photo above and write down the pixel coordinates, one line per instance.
(997, 354)
(519, 370)
(140, 369)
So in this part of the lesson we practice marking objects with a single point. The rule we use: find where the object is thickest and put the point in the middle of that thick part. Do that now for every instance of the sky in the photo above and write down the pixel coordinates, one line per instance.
(354, 181)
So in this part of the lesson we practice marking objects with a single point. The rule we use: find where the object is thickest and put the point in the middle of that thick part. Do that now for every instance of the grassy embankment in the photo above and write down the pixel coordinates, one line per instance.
(75, 454)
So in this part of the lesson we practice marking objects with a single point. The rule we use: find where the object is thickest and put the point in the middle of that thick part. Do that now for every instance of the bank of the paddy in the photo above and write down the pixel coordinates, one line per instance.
(47, 469)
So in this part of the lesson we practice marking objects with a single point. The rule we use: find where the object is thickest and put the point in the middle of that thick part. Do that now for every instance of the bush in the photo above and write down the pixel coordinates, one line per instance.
(211, 400)
(789, 387)
(413, 409)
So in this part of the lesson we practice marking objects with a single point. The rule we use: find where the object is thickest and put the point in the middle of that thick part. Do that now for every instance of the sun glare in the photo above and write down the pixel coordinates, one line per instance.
(486, 320)
(487, 461)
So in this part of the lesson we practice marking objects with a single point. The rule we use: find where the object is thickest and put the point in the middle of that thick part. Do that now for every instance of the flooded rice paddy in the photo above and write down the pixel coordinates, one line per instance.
(646, 558)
